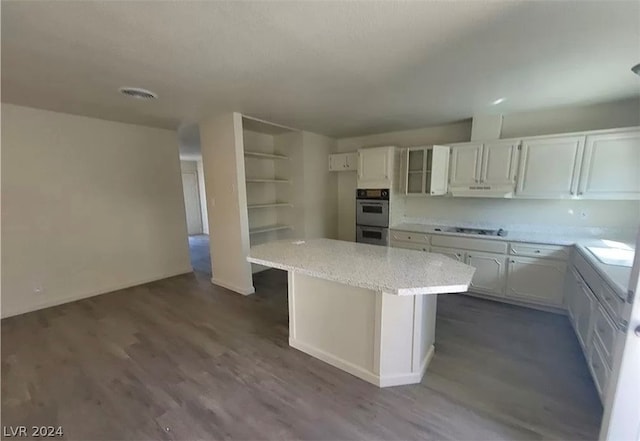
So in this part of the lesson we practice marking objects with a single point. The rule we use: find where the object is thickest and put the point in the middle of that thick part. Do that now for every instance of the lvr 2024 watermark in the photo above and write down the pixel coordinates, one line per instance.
(32, 431)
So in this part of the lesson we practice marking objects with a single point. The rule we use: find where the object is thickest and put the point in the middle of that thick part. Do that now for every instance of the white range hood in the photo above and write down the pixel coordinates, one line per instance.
(484, 128)
(482, 191)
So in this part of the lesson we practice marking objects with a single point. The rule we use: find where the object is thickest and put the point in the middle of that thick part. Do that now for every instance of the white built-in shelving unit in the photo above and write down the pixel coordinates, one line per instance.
(267, 160)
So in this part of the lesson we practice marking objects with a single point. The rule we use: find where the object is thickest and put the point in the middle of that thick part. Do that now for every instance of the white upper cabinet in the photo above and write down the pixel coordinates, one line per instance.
(611, 166)
(375, 167)
(499, 163)
(466, 162)
(425, 170)
(484, 170)
(343, 161)
(549, 167)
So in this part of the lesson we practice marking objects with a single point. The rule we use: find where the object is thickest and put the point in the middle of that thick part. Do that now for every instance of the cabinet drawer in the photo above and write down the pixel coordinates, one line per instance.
(410, 245)
(610, 299)
(601, 289)
(605, 331)
(449, 252)
(586, 271)
(489, 246)
(408, 236)
(599, 368)
(537, 250)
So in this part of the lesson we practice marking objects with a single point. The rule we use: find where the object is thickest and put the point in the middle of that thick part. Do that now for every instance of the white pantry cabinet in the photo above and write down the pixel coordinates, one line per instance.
(536, 280)
(343, 161)
(490, 272)
(425, 170)
(611, 166)
(375, 167)
(550, 167)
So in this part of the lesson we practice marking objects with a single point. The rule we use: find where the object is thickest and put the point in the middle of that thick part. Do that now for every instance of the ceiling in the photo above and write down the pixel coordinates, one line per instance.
(337, 68)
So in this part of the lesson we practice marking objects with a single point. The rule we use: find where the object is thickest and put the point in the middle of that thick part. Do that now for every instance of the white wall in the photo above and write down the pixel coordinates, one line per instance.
(456, 132)
(504, 212)
(88, 206)
(221, 140)
(320, 187)
(623, 113)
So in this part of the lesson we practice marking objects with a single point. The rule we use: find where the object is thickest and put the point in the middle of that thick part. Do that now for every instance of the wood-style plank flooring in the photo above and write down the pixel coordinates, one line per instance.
(182, 359)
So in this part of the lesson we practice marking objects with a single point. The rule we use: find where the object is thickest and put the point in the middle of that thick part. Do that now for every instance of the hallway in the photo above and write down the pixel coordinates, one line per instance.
(200, 254)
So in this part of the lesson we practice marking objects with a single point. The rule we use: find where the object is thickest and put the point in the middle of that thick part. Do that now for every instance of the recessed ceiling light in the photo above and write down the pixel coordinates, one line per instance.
(636, 69)
(498, 101)
(138, 93)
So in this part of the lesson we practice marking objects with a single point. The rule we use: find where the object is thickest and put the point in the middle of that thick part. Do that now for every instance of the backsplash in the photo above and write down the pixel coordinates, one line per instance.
(524, 214)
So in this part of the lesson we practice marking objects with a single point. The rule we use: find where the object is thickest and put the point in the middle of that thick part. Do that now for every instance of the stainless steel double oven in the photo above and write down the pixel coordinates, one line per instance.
(372, 216)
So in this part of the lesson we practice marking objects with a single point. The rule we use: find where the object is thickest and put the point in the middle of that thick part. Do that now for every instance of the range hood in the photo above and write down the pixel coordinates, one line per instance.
(484, 128)
(482, 191)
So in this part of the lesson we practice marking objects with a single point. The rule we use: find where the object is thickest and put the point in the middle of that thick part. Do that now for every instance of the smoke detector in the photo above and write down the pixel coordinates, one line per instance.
(138, 93)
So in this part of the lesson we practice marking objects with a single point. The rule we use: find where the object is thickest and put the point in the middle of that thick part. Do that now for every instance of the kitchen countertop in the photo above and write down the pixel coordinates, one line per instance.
(391, 270)
(616, 276)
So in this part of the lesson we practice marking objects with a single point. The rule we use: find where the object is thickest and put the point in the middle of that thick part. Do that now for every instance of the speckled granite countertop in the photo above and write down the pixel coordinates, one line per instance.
(551, 238)
(616, 276)
(392, 270)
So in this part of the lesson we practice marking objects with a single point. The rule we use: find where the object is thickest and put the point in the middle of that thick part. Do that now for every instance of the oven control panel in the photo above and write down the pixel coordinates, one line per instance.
(376, 193)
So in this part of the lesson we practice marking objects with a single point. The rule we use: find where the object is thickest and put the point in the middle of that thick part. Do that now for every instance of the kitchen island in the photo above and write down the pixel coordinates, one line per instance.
(368, 310)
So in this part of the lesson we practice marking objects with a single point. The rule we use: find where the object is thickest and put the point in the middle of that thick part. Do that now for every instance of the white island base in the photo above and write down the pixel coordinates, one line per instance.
(382, 338)
(365, 309)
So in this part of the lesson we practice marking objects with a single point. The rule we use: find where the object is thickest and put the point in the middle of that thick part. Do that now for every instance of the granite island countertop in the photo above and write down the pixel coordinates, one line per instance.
(391, 270)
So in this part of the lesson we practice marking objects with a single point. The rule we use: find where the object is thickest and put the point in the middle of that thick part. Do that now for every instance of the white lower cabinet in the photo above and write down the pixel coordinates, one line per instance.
(490, 272)
(592, 319)
(571, 293)
(410, 245)
(458, 255)
(536, 280)
(503, 269)
(599, 368)
(585, 304)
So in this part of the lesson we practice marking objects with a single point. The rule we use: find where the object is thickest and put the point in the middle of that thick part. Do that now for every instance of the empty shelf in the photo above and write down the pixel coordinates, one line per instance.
(274, 204)
(265, 155)
(263, 181)
(269, 228)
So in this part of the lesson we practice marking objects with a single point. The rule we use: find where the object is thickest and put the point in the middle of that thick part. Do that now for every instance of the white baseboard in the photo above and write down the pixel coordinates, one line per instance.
(334, 361)
(86, 295)
(502, 299)
(362, 373)
(411, 378)
(232, 287)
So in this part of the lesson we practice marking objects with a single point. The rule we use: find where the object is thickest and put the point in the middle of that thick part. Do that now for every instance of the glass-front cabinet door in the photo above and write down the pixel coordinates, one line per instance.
(415, 170)
(426, 170)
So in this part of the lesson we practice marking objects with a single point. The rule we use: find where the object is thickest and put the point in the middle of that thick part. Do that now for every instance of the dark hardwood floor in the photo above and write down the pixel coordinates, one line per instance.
(182, 359)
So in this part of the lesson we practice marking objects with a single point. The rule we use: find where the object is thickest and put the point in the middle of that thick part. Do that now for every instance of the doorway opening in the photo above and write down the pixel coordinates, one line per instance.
(195, 205)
